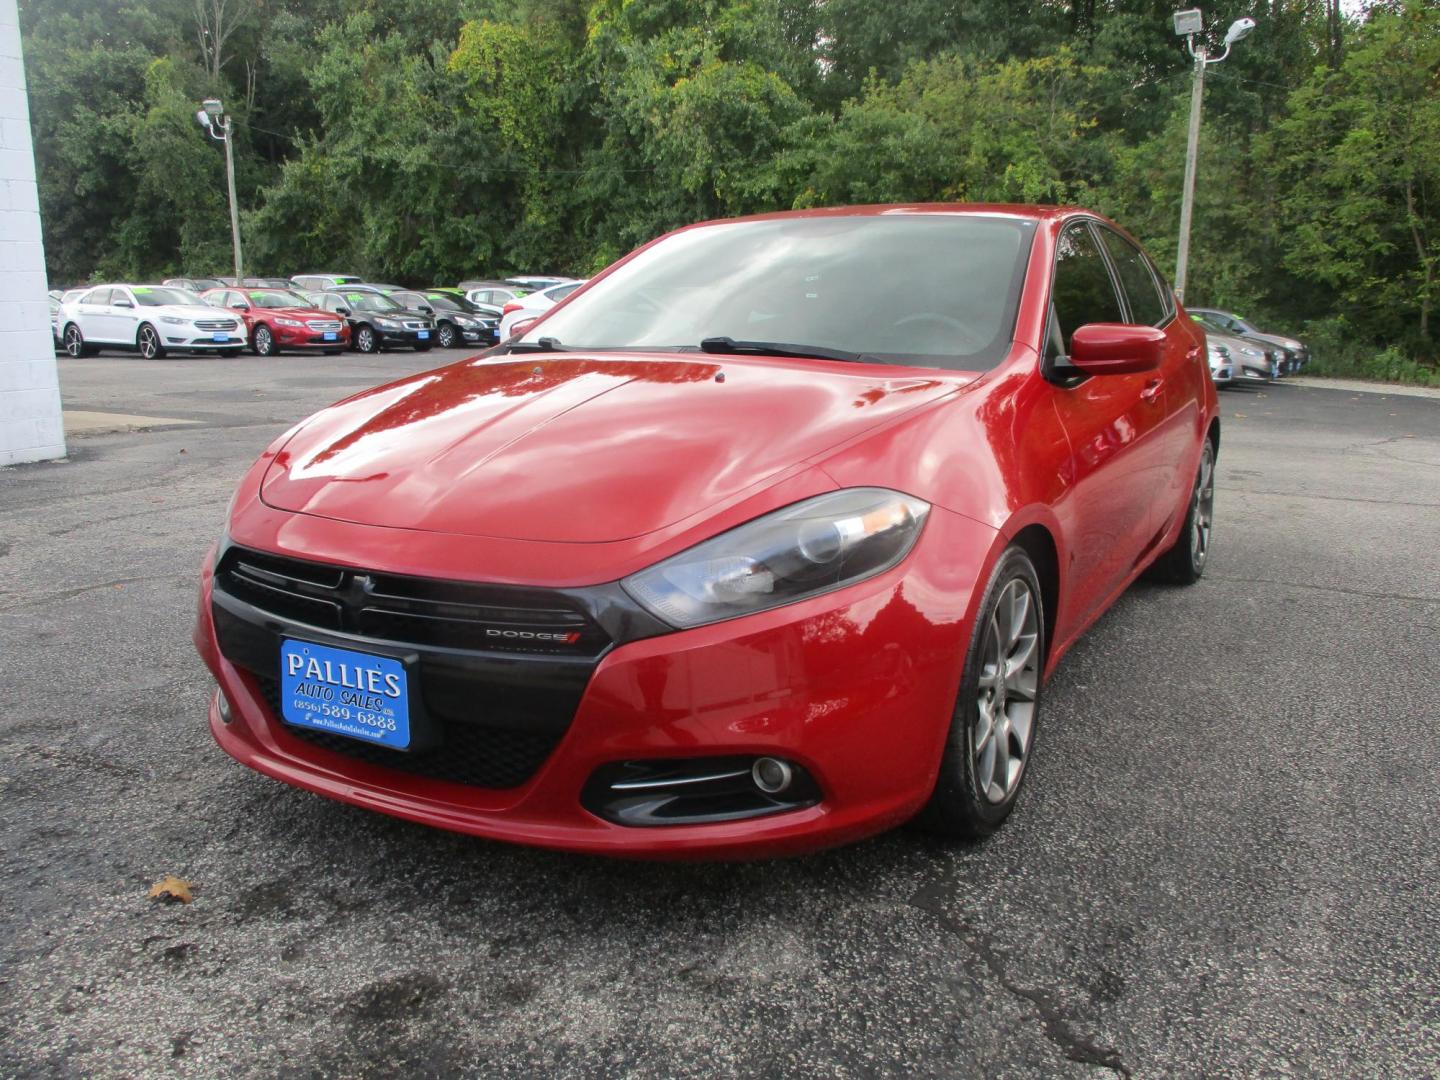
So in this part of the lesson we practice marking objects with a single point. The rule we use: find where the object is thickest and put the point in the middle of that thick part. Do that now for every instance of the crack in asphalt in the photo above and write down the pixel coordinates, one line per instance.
(1332, 498)
(1057, 1027)
(1327, 589)
(69, 594)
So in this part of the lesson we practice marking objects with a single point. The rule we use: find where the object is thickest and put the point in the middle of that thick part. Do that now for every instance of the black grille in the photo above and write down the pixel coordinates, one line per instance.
(474, 754)
(410, 611)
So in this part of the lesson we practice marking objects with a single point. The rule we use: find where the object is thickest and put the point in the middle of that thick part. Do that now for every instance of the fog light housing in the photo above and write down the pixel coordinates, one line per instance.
(697, 791)
(771, 775)
(222, 706)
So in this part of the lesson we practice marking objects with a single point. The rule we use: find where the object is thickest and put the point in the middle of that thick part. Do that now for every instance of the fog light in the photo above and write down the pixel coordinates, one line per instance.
(771, 775)
(222, 703)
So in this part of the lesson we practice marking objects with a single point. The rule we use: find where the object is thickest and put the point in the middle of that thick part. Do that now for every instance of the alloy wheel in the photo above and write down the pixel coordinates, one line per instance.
(1203, 511)
(1006, 690)
(149, 342)
(446, 336)
(264, 342)
(365, 339)
(74, 343)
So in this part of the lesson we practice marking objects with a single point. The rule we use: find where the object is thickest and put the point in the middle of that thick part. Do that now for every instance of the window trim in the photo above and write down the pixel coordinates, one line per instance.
(1073, 377)
(1167, 300)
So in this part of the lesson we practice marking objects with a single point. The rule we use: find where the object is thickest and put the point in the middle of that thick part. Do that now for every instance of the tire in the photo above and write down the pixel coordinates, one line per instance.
(366, 340)
(445, 335)
(75, 346)
(1184, 561)
(992, 729)
(147, 343)
(263, 341)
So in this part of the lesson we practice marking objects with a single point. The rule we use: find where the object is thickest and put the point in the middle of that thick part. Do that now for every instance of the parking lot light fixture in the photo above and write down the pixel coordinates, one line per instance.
(212, 118)
(1189, 24)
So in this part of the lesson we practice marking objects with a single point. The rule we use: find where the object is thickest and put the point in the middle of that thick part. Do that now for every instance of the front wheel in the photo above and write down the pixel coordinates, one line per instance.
(445, 335)
(992, 729)
(366, 340)
(1184, 562)
(147, 343)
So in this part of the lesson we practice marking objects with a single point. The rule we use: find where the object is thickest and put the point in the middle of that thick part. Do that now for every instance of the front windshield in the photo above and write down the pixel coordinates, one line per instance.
(449, 303)
(159, 295)
(931, 289)
(369, 301)
(277, 298)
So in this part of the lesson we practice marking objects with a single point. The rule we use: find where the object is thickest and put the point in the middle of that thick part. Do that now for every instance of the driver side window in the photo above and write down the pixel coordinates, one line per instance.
(1083, 292)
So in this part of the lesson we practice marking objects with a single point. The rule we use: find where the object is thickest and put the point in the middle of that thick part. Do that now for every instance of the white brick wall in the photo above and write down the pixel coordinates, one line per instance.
(30, 423)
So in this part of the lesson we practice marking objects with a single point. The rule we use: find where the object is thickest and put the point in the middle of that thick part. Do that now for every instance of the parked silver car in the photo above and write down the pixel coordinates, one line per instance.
(1293, 354)
(1250, 361)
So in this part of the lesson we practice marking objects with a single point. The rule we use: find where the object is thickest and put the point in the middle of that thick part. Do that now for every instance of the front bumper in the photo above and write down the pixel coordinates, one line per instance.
(406, 338)
(289, 337)
(233, 340)
(855, 687)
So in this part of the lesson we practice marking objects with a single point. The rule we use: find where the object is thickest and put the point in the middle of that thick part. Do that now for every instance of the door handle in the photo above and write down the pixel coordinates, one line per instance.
(1152, 389)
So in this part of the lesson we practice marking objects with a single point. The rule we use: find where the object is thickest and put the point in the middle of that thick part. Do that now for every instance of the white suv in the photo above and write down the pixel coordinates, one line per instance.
(149, 319)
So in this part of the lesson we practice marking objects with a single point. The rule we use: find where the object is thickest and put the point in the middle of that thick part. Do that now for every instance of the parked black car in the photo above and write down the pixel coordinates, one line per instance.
(376, 321)
(457, 320)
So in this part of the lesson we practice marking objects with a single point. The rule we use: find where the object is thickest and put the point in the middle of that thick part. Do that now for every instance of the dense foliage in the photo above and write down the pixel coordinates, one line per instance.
(412, 140)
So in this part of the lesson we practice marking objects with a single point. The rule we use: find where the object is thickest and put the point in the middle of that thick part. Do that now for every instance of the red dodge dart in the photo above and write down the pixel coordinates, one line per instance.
(277, 319)
(764, 540)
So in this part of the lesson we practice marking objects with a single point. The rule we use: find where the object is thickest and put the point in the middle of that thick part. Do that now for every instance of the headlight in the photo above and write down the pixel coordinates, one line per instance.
(388, 324)
(1248, 351)
(173, 321)
(801, 551)
(288, 322)
(461, 320)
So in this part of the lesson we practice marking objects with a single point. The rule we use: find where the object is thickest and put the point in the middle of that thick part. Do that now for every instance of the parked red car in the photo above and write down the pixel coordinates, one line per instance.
(277, 319)
(764, 540)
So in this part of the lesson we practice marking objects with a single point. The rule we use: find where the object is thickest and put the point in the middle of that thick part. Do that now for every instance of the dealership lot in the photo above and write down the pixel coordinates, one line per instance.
(1225, 863)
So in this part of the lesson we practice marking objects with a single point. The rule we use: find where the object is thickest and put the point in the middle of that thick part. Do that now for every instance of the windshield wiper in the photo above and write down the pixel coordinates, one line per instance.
(544, 344)
(780, 348)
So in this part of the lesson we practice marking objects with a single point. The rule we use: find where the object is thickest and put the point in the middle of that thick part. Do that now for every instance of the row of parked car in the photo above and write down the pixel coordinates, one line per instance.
(1240, 354)
(308, 313)
(333, 312)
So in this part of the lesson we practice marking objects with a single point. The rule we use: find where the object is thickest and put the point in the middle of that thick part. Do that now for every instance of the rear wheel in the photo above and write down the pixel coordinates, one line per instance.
(75, 343)
(366, 340)
(147, 342)
(1184, 562)
(992, 730)
(263, 341)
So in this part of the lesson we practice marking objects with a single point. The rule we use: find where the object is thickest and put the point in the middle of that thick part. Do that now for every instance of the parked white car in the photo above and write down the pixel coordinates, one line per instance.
(149, 319)
(527, 309)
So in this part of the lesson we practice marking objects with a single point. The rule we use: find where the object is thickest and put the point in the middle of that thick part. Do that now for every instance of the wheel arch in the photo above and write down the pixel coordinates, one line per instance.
(1038, 542)
(1213, 433)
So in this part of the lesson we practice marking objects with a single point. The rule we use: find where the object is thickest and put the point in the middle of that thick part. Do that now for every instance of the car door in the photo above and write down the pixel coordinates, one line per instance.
(1112, 422)
(122, 316)
(90, 312)
(1180, 372)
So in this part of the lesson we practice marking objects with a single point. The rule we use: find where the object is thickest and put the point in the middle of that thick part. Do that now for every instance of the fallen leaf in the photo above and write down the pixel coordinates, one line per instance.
(172, 890)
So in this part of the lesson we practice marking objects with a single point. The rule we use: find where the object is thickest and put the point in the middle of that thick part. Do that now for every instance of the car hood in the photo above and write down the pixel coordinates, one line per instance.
(1276, 339)
(191, 311)
(297, 313)
(576, 449)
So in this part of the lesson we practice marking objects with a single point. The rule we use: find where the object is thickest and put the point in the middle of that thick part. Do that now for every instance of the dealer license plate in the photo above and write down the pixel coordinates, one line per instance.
(347, 693)
(219, 337)
(330, 335)
(423, 334)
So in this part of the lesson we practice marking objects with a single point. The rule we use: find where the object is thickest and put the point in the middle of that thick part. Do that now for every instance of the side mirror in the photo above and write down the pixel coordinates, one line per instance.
(427, 309)
(124, 303)
(342, 311)
(1116, 348)
(240, 306)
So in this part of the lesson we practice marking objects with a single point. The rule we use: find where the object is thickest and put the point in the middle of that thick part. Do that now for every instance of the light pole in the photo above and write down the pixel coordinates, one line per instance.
(1189, 23)
(213, 119)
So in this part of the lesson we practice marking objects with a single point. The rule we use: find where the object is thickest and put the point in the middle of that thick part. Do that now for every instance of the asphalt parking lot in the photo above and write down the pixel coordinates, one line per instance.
(1225, 862)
